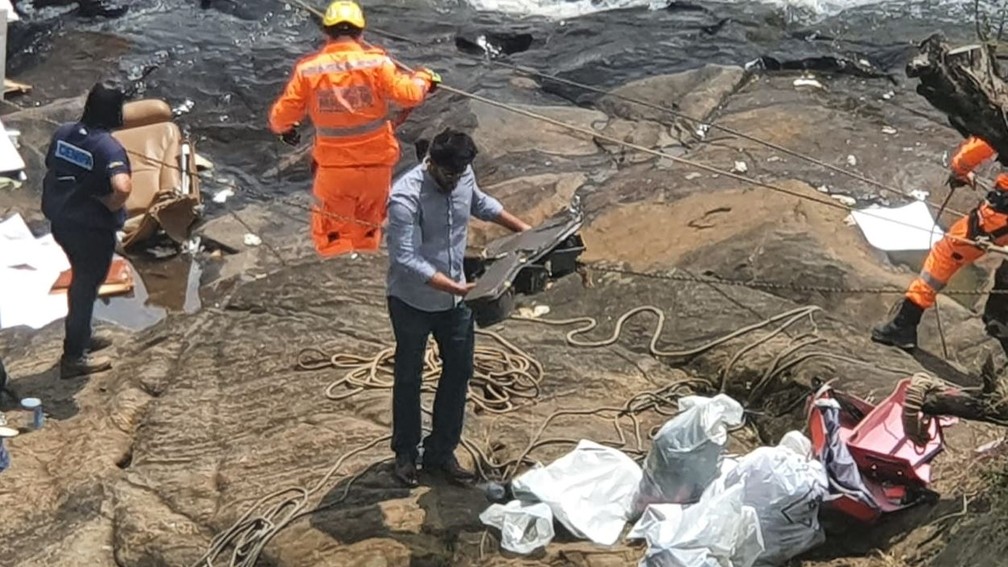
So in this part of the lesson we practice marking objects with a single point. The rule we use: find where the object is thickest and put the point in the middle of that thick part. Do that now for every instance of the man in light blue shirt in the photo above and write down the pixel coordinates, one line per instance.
(428, 225)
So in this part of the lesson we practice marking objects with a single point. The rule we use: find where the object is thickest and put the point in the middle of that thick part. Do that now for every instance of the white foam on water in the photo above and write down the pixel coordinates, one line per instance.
(559, 9)
(565, 9)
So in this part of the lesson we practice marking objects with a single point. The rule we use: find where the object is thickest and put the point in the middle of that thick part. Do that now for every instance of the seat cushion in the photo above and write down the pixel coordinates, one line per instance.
(154, 158)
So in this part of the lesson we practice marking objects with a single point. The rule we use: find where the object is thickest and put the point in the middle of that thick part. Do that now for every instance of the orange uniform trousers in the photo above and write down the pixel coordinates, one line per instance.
(948, 255)
(350, 208)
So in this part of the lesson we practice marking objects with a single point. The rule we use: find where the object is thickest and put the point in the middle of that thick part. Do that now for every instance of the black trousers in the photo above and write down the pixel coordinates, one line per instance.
(454, 332)
(90, 253)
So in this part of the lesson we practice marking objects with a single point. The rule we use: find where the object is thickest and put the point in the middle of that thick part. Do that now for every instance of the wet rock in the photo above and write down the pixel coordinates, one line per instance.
(523, 83)
(71, 62)
(533, 199)
(281, 226)
(695, 93)
(642, 133)
(493, 44)
(499, 132)
(831, 127)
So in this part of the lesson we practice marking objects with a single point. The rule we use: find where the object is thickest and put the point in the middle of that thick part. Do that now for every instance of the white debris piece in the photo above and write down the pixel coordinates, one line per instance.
(849, 201)
(989, 446)
(533, 312)
(202, 163)
(851, 160)
(222, 195)
(524, 526)
(808, 82)
(740, 167)
(693, 175)
(192, 246)
(252, 240)
(888, 130)
(910, 227)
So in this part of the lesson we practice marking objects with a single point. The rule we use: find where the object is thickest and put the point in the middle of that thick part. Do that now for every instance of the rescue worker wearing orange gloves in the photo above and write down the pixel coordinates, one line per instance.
(348, 89)
(987, 222)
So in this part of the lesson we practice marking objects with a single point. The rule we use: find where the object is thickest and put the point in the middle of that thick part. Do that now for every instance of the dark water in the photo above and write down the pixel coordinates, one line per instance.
(232, 58)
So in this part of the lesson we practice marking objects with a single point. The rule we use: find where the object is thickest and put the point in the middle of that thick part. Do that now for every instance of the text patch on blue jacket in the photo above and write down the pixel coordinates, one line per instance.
(80, 164)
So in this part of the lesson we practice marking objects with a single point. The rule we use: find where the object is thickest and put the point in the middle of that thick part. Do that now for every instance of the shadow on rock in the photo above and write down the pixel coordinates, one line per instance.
(847, 538)
(57, 395)
(938, 366)
(376, 507)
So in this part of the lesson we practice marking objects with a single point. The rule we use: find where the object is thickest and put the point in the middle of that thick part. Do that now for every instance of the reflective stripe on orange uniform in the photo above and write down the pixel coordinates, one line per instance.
(346, 90)
(950, 253)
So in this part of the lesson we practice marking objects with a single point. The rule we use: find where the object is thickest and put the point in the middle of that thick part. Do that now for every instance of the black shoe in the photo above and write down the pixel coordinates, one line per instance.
(453, 472)
(405, 472)
(83, 365)
(901, 330)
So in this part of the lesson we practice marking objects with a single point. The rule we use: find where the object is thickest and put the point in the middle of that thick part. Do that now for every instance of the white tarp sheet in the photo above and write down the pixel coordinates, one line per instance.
(28, 269)
(6, 6)
(10, 159)
(590, 490)
(901, 228)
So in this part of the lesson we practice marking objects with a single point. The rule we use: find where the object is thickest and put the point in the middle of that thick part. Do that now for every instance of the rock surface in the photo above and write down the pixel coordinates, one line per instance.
(695, 93)
(204, 415)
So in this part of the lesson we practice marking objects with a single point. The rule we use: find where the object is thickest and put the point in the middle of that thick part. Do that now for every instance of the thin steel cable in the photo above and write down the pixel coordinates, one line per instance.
(672, 110)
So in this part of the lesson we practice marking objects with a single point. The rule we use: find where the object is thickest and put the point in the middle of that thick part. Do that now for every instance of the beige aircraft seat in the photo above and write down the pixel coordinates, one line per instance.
(166, 192)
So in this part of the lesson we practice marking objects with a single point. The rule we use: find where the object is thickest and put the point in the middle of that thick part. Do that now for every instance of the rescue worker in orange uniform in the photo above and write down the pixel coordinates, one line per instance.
(988, 222)
(349, 89)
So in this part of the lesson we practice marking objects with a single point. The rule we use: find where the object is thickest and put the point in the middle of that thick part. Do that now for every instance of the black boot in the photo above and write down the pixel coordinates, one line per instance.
(901, 331)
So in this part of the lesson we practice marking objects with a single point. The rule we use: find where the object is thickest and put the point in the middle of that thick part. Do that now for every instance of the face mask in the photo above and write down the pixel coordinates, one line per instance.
(447, 180)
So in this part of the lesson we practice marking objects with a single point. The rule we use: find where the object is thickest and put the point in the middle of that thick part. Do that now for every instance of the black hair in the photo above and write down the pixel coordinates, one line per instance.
(343, 30)
(104, 106)
(453, 150)
(420, 147)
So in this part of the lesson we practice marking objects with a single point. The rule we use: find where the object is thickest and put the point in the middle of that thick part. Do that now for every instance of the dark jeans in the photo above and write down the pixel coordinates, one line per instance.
(455, 335)
(90, 253)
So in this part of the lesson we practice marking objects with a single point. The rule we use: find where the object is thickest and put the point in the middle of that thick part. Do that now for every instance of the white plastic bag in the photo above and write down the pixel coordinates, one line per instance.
(590, 490)
(718, 531)
(524, 526)
(785, 487)
(653, 516)
(687, 451)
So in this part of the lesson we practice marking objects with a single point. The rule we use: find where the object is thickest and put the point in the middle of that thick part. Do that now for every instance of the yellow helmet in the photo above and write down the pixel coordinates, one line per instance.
(344, 12)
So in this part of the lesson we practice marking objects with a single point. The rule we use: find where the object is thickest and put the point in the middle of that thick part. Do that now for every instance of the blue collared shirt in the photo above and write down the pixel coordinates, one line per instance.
(427, 233)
